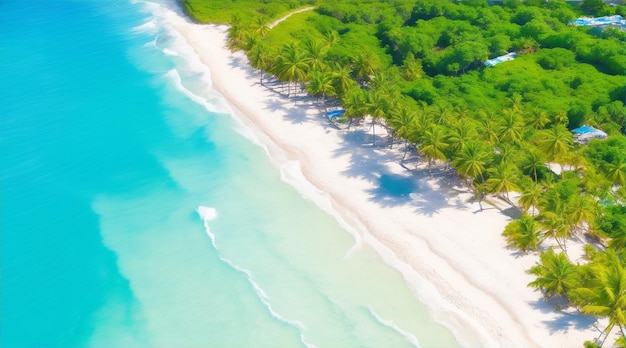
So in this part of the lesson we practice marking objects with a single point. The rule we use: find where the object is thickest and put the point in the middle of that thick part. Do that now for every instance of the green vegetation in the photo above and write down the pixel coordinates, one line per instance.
(416, 67)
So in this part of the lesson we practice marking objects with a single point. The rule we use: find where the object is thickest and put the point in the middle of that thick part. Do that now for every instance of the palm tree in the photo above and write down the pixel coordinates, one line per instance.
(555, 225)
(556, 142)
(523, 234)
(581, 210)
(530, 197)
(401, 122)
(355, 104)
(503, 178)
(507, 153)
(470, 162)
(605, 296)
(331, 37)
(433, 145)
(616, 172)
(315, 51)
(511, 125)
(261, 26)
(260, 57)
(321, 84)
(291, 64)
(532, 161)
(538, 119)
(365, 65)
(342, 79)
(490, 130)
(377, 107)
(237, 33)
(459, 135)
(556, 275)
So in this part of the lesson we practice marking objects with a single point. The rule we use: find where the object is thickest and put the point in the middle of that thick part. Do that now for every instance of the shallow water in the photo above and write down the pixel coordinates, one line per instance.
(135, 213)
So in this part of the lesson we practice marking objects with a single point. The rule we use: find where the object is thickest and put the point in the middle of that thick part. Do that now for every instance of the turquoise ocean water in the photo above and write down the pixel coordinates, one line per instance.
(135, 214)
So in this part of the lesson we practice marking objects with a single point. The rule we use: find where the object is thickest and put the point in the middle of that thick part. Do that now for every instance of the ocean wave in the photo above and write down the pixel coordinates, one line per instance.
(213, 105)
(390, 324)
(208, 214)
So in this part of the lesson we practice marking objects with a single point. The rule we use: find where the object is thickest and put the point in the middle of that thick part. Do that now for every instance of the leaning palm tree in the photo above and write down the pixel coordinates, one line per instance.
(530, 197)
(605, 296)
(556, 275)
(555, 225)
(503, 178)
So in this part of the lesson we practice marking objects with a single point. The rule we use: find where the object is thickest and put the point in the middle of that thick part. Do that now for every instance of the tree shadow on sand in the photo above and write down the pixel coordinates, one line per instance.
(409, 188)
(563, 320)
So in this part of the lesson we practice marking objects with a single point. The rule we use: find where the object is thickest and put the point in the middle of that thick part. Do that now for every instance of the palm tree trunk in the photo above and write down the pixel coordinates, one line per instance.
(373, 132)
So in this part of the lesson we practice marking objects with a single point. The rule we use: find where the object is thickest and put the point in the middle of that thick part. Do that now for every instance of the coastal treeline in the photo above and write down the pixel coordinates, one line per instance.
(417, 68)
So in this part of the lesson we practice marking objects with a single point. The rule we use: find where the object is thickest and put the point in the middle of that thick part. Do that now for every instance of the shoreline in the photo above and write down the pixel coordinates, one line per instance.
(451, 254)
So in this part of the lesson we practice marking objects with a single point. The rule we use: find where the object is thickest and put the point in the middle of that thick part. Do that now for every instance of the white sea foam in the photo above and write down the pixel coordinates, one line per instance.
(390, 324)
(149, 27)
(208, 214)
(211, 105)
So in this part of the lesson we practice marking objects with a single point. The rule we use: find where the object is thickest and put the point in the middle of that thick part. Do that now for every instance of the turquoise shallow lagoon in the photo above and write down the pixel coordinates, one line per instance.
(136, 214)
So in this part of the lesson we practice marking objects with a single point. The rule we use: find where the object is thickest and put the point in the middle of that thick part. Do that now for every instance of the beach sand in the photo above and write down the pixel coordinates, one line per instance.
(447, 249)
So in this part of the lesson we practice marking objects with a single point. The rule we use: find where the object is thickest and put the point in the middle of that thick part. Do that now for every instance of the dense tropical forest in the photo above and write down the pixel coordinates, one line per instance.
(417, 68)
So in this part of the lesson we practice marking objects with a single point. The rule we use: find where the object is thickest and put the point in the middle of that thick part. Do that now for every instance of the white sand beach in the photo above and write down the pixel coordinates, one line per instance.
(448, 250)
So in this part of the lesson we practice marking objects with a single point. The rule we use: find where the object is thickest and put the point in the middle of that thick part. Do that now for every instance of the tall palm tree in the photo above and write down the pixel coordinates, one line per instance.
(616, 172)
(342, 79)
(261, 26)
(532, 162)
(331, 37)
(507, 153)
(433, 145)
(355, 104)
(471, 161)
(315, 51)
(530, 197)
(377, 103)
(459, 135)
(555, 225)
(321, 85)
(605, 296)
(291, 64)
(503, 178)
(511, 126)
(538, 119)
(260, 57)
(556, 142)
(365, 65)
(556, 275)
(401, 122)
(581, 211)
(523, 234)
